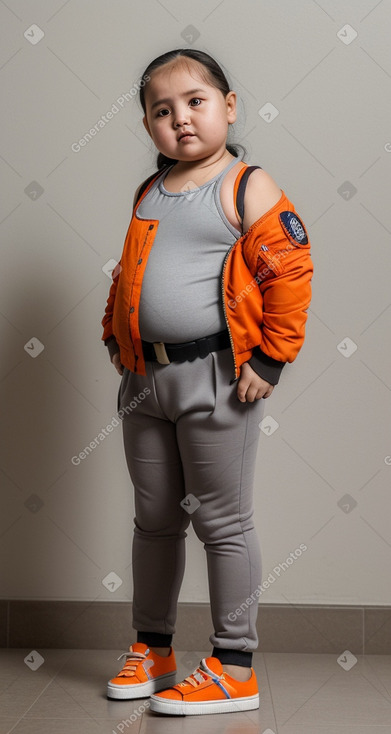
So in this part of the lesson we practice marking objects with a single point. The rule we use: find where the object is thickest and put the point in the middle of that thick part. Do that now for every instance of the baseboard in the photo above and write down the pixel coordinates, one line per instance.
(281, 628)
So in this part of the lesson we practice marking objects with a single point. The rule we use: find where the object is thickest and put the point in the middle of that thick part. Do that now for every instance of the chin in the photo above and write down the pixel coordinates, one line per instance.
(187, 156)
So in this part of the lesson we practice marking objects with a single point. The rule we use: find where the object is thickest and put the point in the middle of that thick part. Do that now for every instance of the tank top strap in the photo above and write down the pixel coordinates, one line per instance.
(240, 188)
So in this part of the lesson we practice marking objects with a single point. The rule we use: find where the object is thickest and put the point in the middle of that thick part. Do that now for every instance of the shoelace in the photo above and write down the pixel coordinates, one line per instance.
(199, 675)
(130, 667)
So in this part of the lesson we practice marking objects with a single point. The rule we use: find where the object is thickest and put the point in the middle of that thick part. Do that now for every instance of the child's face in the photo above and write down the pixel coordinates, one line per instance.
(176, 102)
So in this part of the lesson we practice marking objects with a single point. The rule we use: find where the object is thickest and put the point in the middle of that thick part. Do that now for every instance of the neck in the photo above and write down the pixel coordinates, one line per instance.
(205, 166)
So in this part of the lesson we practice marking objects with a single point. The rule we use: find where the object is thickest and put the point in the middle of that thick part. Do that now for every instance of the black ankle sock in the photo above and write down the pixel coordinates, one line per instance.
(154, 639)
(233, 657)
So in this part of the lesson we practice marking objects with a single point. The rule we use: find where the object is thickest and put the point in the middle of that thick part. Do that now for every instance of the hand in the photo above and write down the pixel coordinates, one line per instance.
(251, 386)
(116, 360)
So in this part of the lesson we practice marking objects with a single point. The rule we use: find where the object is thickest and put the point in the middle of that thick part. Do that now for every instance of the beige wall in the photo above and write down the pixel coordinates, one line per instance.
(64, 528)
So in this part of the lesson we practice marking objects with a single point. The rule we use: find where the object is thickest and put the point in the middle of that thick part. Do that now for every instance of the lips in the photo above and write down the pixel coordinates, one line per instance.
(185, 135)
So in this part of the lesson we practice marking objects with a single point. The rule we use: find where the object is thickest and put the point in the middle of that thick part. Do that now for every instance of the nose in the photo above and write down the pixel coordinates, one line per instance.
(181, 117)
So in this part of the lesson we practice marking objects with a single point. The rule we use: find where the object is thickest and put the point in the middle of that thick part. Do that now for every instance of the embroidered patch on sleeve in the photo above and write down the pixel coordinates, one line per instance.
(293, 228)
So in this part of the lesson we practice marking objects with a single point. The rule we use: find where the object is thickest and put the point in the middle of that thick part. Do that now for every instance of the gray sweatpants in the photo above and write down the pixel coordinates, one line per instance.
(192, 436)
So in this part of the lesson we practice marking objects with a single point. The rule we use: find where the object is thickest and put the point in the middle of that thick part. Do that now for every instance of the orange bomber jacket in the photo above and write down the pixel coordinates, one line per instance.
(265, 290)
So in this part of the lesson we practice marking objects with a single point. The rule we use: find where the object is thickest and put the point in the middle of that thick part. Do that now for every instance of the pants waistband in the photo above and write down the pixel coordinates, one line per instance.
(165, 353)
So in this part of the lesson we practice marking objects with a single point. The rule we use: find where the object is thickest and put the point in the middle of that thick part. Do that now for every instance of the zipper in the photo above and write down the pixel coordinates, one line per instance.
(225, 311)
(241, 173)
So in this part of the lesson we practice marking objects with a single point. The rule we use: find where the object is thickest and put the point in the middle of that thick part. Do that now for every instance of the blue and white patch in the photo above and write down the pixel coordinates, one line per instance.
(294, 228)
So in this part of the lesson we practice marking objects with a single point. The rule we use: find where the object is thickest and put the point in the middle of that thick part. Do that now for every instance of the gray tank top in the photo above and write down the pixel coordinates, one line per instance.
(181, 292)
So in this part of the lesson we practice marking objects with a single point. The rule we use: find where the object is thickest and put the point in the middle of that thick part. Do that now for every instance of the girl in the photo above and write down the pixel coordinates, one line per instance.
(207, 304)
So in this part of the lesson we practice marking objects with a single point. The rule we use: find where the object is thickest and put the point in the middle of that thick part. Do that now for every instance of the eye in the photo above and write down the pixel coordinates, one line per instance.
(159, 114)
(196, 99)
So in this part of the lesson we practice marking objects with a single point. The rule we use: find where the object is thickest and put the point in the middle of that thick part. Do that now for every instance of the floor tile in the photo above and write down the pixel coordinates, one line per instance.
(79, 689)
(20, 686)
(308, 689)
(71, 726)
(380, 665)
(300, 693)
(232, 723)
(6, 724)
(336, 729)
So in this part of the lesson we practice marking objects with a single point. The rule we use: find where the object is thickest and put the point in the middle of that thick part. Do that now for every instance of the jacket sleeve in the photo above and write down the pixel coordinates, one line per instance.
(266, 367)
(112, 346)
(107, 321)
(283, 266)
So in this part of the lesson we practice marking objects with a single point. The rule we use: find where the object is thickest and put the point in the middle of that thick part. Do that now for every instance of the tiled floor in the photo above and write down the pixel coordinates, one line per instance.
(300, 694)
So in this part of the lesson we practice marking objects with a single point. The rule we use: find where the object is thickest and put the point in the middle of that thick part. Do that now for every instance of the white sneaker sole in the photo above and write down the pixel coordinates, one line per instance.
(139, 690)
(186, 708)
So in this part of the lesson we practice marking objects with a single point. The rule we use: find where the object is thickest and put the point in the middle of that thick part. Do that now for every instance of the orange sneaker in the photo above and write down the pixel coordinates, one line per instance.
(143, 673)
(208, 690)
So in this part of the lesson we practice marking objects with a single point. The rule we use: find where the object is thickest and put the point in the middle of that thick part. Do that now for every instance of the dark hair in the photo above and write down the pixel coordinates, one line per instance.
(213, 74)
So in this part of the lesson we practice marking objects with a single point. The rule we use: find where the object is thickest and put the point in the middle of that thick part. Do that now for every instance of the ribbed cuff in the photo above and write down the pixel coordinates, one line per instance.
(112, 346)
(266, 367)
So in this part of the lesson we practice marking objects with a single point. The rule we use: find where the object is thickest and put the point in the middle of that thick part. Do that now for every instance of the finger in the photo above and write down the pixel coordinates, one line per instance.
(260, 394)
(257, 393)
(252, 394)
(268, 392)
(242, 390)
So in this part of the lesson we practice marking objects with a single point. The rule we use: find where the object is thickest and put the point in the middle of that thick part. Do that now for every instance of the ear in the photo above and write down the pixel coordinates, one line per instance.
(230, 102)
(145, 121)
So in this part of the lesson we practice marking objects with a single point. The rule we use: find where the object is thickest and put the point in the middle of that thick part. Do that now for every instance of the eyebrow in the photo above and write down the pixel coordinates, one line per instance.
(167, 99)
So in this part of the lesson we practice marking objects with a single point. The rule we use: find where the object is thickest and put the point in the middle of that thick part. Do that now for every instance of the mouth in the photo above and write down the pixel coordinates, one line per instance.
(185, 135)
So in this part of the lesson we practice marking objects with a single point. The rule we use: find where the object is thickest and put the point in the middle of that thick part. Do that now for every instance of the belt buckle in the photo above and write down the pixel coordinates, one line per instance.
(161, 354)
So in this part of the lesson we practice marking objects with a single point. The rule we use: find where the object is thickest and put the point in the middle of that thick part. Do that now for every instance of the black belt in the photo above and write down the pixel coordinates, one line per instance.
(164, 353)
